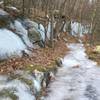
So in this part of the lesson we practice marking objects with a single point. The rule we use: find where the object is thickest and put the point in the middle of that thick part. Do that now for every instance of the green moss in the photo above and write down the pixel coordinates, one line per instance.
(31, 68)
(21, 78)
(8, 93)
(40, 68)
(28, 82)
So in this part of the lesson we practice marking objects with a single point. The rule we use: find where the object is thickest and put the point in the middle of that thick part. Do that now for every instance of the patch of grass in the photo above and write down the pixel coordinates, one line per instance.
(22, 79)
(40, 68)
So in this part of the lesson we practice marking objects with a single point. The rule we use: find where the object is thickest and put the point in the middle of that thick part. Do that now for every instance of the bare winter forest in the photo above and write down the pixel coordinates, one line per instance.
(49, 49)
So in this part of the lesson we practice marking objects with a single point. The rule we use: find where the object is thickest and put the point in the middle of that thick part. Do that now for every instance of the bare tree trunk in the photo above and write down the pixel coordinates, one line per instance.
(51, 36)
(93, 23)
(23, 7)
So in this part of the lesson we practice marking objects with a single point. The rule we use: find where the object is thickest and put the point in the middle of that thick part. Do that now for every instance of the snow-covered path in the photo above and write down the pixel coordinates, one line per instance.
(78, 79)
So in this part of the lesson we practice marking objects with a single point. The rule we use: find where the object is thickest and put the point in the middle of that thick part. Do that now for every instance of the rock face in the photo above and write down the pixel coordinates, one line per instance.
(13, 36)
(18, 35)
(17, 86)
(4, 18)
(35, 27)
(21, 32)
(15, 41)
(10, 44)
(3, 13)
(20, 83)
(36, 32)
(34, 35)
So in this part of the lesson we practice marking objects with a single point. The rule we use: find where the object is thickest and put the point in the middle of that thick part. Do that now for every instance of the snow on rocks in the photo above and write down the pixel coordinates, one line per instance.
(20, 30)
(13, 36)
(35, 79)
(2, 12)
(1, 2)
(35, 26)
(12, 8)
(17, 89)
(10, 44)
(21, 85)
(76, 28)
(79, 29)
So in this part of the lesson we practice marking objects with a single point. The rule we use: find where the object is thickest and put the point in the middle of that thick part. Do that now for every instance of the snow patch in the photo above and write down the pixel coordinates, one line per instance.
(10, 44)
(20, 30)
(2, 12)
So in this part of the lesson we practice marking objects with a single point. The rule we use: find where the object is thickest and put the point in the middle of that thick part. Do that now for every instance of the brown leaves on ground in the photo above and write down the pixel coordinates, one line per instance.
(93, 55)
(43, 56)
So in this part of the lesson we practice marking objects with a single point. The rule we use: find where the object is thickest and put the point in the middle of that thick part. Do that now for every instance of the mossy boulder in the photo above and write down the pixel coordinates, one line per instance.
(34, 35)
(8, 93)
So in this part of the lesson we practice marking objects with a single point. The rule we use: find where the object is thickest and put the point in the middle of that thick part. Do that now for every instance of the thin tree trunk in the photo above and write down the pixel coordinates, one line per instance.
(51, 36)
(23, 7)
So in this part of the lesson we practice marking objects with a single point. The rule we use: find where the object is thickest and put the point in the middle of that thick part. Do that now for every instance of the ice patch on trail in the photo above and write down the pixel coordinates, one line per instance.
(77, 56)
(78, 79)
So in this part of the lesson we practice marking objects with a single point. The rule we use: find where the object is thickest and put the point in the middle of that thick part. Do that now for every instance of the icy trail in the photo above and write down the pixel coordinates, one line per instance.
(78, 79)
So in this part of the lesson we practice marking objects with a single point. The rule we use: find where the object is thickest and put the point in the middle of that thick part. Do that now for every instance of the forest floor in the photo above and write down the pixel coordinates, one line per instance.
(95, 56)
(43, 59)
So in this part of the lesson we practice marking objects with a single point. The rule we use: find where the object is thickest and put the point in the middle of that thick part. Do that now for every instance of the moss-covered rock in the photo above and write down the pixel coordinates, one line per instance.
(8, 93)
(34, 35)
